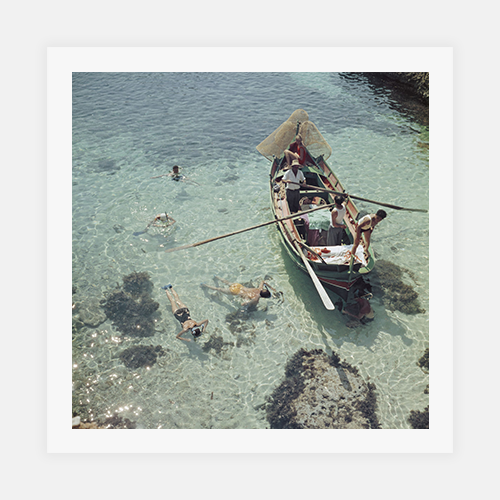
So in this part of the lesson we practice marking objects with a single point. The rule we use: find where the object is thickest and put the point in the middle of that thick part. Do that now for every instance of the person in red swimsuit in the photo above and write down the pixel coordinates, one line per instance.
(297, 151)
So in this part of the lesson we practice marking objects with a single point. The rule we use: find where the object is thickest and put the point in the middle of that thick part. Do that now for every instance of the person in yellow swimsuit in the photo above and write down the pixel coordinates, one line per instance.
(252, 295)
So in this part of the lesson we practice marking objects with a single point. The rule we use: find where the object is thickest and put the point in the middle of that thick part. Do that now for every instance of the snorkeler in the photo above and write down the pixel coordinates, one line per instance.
(181, 313)
(163, 220)
(252, 294)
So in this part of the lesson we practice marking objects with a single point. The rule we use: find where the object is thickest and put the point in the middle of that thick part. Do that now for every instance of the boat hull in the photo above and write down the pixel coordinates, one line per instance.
(337, 278)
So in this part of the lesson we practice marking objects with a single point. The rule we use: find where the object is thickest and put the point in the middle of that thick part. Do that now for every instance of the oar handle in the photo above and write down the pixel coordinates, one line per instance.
(395, 207)
(292, 216)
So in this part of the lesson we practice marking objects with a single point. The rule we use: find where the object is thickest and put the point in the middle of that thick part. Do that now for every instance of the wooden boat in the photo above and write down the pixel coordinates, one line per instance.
(332, 266)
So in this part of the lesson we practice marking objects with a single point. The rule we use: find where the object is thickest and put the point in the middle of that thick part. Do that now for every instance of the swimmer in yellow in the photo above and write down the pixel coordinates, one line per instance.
(251, 294)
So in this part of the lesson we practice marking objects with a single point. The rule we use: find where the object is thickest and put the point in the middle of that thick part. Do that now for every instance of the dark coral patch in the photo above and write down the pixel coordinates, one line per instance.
(141, 355)
(419, 419)
(131, 309)
(396, 294)
(322, 392)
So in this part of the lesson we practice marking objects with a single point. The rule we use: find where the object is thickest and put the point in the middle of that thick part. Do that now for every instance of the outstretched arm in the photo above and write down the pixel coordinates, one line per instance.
(261, 286)
(227, 292)
(178, 336)
(204, 322)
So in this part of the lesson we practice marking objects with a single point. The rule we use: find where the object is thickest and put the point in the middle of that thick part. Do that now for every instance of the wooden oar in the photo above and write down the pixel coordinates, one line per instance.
(293, 216)
(395, 207)
(317, 283)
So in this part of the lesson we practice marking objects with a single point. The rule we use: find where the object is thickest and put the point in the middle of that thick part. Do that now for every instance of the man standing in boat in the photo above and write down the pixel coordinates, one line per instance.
(365, 227)
(334, 237)
(292, 178)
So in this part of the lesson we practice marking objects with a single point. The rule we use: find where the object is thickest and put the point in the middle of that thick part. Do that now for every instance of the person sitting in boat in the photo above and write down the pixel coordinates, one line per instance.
(252, 295)
(163, 220)
(292, 179)
(307, 204)
(336, 229)
(297, 151)
(360, 310)
(365, 227)
(181, 313)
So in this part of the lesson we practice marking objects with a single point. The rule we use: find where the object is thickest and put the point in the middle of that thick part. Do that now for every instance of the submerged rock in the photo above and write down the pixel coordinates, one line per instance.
(321, 392)
(106, 165)
(216, 343)
(90, 313)
(131, 309)
(141, 355)
(114, 422)
(419, 419)
(396, 294)
(137, 283)
(423, 362)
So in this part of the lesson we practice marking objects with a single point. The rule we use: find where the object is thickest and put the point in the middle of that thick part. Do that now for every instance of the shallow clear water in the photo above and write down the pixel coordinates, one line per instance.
(129, 127)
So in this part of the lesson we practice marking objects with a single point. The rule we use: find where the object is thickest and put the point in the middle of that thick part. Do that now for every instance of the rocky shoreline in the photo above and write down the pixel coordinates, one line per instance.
(409, 90)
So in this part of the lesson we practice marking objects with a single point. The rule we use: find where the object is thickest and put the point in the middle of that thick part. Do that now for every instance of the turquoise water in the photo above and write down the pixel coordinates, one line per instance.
(130, 127)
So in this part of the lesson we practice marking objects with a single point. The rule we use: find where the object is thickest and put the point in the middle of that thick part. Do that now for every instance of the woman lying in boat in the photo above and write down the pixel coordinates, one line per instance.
(365, 227)
(252, 294)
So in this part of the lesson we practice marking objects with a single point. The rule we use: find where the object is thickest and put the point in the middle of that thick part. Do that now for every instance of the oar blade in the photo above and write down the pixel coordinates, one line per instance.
(327, 302)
